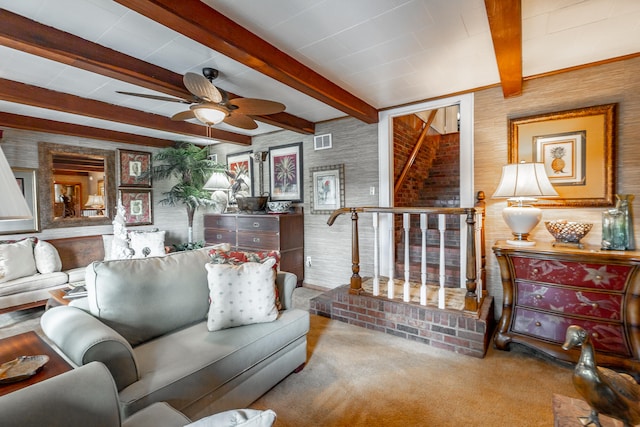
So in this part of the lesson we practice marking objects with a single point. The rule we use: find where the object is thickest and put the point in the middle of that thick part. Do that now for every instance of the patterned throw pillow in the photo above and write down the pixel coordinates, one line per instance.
(241, 294)
(146, 243)
(219, 256)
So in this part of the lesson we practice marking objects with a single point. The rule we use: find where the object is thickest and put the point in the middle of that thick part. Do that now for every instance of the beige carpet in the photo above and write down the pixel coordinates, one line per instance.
(453, 297)
(358, 377)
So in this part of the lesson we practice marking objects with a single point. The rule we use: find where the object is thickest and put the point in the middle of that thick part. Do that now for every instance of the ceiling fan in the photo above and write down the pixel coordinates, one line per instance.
(211, 105)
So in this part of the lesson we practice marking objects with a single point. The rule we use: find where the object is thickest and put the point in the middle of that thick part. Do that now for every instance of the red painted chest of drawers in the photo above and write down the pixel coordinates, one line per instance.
(546, 289)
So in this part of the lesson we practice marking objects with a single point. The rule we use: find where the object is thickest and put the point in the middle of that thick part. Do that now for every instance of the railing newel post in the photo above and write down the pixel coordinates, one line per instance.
(356, 280)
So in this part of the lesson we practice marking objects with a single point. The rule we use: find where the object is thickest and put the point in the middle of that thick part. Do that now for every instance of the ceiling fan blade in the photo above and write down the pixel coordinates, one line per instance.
(256, 107)
(201, 87)
(240, 121)
(183, 115)
(156, 97)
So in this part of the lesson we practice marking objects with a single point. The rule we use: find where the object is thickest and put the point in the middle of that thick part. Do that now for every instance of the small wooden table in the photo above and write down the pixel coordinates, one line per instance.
(57, 298)
(30, 344)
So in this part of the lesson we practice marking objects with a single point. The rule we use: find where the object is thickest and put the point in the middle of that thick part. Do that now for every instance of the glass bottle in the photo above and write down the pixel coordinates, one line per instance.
(617, 231)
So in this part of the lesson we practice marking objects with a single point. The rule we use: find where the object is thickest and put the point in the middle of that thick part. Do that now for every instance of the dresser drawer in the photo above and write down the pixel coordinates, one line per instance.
(212, 235)
(606, 337)
(225, 222)
(247, 240)
(563, 300)
(586, 275)
(256, 223)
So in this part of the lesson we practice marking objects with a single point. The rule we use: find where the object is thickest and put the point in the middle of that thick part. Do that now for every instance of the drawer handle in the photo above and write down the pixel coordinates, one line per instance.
(538, 323)
(594, 334)
(535, 271)
(218, 236)
(256, 225)
(598, 278)
(256, 240)
(538, 296)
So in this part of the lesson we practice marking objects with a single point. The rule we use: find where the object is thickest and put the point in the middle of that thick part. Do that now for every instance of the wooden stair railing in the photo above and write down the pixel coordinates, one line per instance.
(474, 264)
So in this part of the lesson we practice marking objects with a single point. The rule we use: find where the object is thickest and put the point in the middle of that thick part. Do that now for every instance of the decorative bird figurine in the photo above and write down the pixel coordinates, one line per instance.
(607, 392)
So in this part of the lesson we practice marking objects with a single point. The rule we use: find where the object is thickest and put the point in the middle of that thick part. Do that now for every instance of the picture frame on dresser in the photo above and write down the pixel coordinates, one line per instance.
(27, 181)
(285, 172)
(134, 168)
(577, 148)
(138, 206)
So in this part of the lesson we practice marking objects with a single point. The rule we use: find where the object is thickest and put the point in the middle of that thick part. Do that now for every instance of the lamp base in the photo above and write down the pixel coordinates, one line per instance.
(520, 242)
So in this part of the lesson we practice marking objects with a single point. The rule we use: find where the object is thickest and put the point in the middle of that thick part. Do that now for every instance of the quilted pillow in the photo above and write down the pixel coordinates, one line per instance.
(238, 418)
(241, 294)
(147, 243)
(16, 260)
(46, 257)
(222, 256)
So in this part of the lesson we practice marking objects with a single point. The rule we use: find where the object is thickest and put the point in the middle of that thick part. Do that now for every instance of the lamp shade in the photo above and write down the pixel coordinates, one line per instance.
(524, 181)
(217, 181)
(95, 200)
(209, 114)
(14, 205)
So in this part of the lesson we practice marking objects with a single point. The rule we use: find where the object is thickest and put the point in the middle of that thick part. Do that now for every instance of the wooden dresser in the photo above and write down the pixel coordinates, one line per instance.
(548, 288)
(260, 232)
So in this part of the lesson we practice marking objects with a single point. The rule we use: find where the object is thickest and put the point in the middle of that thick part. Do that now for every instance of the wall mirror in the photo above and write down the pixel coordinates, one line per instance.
(76, 186)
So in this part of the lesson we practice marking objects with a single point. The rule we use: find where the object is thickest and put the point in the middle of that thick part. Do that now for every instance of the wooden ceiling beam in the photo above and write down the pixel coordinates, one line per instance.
(17, 121)
(203, 24)
(505, 22)
(20, 33)
(44, 98)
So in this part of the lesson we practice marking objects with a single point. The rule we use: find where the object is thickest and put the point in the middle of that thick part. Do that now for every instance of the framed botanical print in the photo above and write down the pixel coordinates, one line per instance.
(137, 205)
(285, 172)
(240, 167)
(134, 168)
(327, 187)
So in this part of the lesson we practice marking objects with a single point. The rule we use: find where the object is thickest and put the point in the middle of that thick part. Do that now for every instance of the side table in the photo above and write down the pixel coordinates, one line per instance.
(30, 344)
(57, 299)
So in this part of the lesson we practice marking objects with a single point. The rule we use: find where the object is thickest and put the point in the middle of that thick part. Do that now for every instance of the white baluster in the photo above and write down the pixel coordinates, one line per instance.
(441, 294)
(392, 261)
(406, 224)
(376, 256)
(423, 261)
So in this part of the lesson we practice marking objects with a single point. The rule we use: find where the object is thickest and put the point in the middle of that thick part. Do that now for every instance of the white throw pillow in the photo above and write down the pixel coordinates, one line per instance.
(16, 260)
(46, 257)
(241, 294)
(238, 417)
(146, 243)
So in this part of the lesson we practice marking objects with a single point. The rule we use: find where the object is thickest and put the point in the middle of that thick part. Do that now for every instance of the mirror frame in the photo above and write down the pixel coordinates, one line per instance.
(46, 151)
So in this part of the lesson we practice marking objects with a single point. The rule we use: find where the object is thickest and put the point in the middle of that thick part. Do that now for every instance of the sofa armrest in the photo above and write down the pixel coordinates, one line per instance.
(286, 283)
(83, 339)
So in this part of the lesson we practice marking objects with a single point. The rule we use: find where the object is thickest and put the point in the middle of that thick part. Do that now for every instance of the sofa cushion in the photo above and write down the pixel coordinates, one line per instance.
(46, 257)
(239, 418)
(16, 260)
(146, 243)
(34, 282)
(161, 293)
(221, 255)
(241, 294)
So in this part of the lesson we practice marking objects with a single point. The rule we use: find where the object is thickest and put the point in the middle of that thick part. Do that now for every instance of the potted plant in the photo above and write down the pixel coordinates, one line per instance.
(191, 166)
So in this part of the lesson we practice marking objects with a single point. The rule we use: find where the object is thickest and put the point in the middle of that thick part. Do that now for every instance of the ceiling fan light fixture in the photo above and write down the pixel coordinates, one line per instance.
(209, 114)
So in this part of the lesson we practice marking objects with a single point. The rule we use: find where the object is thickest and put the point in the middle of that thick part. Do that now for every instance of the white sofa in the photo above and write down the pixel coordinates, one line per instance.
(148, 321)
(30, 268)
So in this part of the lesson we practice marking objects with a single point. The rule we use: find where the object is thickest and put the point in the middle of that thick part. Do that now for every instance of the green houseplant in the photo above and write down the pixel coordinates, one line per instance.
(191, 166)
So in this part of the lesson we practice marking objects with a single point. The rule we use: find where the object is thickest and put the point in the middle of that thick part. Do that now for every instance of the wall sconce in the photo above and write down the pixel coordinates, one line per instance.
(522, 184)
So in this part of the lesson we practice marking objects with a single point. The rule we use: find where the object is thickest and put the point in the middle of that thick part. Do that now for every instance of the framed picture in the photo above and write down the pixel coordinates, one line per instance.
(285, 172)
(26, 179)
(577, 149)
(137, 205)
(327, 187)
(240, 167)
(135, 168)
(563, 156)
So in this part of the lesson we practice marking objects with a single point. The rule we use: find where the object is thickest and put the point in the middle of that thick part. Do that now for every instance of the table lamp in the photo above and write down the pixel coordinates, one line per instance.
(14, 206)
(219, 185)
(521, 184)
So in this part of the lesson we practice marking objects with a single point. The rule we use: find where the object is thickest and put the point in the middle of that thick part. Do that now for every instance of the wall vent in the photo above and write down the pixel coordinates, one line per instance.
(322, 142)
